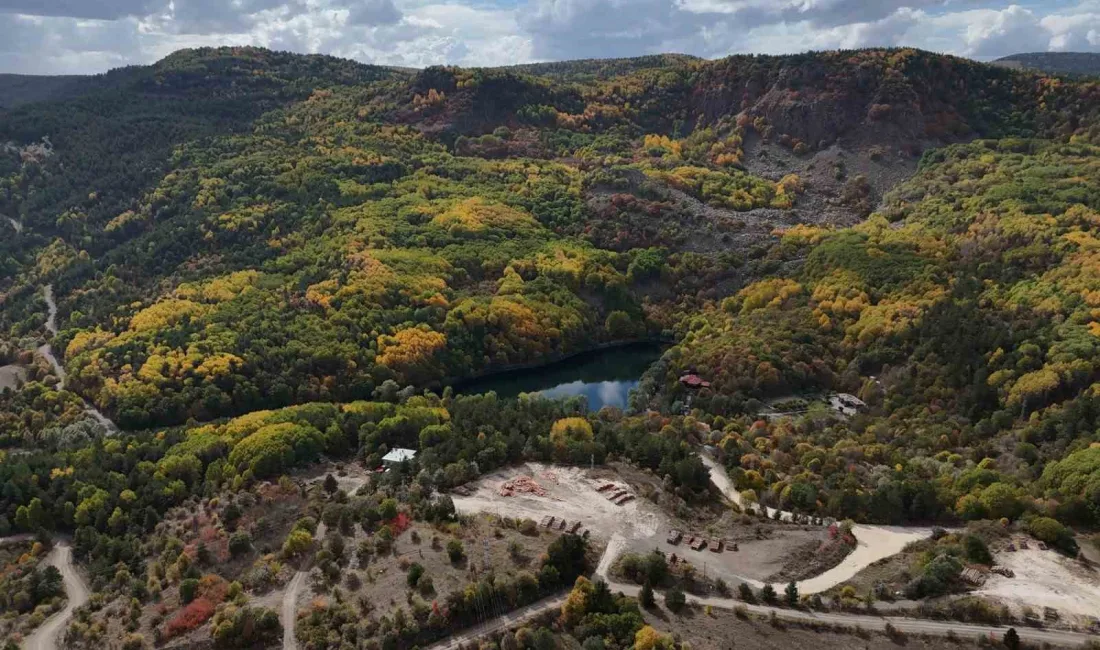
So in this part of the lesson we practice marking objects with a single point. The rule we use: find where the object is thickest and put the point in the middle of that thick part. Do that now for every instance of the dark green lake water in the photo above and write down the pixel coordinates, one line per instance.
(604, 377)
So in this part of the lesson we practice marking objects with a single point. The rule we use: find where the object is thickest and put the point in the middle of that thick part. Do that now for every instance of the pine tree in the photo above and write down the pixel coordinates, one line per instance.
(792, 594)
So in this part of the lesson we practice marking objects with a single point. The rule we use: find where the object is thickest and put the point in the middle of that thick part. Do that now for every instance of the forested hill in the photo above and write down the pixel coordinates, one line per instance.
(236, 228)
(233, 230)
(1071, 63)
(18, 89)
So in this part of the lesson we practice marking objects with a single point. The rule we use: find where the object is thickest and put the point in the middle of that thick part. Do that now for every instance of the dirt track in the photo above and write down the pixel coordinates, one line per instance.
(46, 636)
(289, 606)
(46, 350)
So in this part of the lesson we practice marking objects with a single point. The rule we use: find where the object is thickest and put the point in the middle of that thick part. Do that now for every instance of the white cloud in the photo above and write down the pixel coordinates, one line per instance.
(79, 36)
(1073, 32)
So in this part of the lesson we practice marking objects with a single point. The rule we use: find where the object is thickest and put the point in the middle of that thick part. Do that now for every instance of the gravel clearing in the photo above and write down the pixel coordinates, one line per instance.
(570, 494)
(1045, 579)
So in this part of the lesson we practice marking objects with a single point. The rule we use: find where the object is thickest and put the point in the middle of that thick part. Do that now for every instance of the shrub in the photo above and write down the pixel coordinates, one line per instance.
(414, 575)
(1050, 531)
(190, 617)
(297, 542)
(189, 588)
(976, 550)
(426, 586)
(675, 599)
(455, 551)
(240, 543)
(247, 627)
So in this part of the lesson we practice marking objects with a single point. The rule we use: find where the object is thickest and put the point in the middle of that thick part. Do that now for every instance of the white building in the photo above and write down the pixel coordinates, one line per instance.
(398, 456)
(846, 404)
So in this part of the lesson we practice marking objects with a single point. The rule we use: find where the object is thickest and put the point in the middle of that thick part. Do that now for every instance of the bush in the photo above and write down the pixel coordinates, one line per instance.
(675, 599)
(248, 627)
(189, 588)
(240, 543)
(455, 551)
(1050, 531)
(297, 542)
(646, 596)
(426, 586)
(976, 550)
(190, 617)
(414, 575)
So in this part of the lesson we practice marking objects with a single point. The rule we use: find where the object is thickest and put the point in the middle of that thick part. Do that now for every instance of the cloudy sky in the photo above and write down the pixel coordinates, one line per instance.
(85, 36)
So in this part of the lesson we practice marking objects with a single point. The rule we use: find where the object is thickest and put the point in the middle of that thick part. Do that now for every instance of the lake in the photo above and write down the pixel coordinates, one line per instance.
(605, 376)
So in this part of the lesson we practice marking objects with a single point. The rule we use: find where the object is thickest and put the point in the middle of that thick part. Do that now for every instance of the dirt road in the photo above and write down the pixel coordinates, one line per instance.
(500, 624)
(46, 350)
(870, 622)
(46, 636)
(873, 543)
(293, 591)
(865, 621)
(289, 607)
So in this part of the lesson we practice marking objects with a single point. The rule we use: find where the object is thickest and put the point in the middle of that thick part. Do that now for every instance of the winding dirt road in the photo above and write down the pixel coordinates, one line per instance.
(873, 543)
(46, 636)
(866, 621)
(46, 350)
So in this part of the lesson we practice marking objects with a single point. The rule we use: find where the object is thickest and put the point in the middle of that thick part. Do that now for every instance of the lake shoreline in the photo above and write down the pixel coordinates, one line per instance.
(457, 382)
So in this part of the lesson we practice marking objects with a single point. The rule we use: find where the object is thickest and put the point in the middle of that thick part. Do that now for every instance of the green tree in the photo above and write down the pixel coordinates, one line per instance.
(791, 594)
(744, 592)
(768, 595)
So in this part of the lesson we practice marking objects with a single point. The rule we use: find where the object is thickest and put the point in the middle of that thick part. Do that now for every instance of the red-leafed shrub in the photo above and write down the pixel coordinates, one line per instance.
(195, 614)
(400, 523)
(213, 588)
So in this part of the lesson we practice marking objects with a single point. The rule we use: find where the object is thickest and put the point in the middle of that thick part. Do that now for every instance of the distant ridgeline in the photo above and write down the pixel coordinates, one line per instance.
(1072, 63)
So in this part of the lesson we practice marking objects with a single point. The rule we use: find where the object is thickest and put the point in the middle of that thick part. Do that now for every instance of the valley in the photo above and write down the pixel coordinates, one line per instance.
(299, 352)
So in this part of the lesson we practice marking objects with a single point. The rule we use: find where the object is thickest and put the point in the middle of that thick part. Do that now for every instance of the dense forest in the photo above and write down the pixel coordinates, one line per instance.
(263, 258)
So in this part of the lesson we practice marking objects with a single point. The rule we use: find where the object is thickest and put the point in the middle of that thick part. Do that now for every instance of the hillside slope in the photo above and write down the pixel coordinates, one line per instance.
(233, 229)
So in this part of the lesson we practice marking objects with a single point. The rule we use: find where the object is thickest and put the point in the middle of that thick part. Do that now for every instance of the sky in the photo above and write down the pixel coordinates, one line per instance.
(89, 36)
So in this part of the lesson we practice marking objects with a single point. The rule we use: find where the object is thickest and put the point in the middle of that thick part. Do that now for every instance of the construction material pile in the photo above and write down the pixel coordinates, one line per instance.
(521, 485)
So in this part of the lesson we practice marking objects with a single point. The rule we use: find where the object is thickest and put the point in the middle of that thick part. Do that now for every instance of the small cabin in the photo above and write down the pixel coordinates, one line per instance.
(694, 381)
(398, 456)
